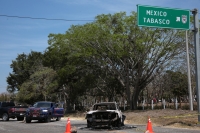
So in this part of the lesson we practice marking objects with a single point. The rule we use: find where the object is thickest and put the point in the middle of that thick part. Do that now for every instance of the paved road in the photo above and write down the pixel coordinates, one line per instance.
(14, 126)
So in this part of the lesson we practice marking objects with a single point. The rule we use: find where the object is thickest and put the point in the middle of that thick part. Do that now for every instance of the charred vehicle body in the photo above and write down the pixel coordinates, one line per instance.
(44, 111)
(105, 114)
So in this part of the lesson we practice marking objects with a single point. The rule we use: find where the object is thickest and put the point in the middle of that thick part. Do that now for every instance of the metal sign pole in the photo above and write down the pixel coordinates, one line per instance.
(197, 57)
(188, 70)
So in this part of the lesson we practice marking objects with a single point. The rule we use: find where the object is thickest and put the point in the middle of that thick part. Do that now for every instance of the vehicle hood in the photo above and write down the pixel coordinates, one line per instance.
(42, 108)
(101, 111)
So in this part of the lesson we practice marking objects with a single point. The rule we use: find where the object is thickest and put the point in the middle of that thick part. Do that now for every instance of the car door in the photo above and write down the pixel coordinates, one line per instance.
(58, 112)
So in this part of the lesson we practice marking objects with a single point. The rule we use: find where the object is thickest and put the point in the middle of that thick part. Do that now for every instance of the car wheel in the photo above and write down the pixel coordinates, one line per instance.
(119, 124)
(48, 119)
(28, 120)
(58, 118)
(88, 124)
(5, 117)
(123, 119)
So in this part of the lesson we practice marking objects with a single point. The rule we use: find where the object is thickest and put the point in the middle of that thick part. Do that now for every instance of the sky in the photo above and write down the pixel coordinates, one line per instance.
(22, 30)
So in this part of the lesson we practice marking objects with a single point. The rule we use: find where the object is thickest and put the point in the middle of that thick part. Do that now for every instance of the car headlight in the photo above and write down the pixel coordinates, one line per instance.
(44, 110)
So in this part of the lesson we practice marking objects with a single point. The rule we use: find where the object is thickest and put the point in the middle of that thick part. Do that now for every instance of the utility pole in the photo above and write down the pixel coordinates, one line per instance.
(197, 57)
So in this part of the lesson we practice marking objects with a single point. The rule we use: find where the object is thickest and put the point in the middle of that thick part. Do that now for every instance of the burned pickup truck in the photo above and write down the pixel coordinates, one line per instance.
(105, 114)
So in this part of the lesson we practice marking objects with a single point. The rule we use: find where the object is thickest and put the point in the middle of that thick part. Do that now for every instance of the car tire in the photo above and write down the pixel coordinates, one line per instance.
(119, 124)
(28, 120)
(5, 117)
(48, 119)
(123, 119)
(88, 124)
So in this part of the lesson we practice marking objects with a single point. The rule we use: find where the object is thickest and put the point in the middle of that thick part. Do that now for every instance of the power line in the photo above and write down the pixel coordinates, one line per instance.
(44, 18)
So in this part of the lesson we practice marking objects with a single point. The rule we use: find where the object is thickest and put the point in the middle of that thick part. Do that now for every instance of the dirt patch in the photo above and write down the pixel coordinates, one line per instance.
(163, 117)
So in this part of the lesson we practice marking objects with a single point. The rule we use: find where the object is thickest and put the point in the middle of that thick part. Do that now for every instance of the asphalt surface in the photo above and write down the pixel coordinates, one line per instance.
(14, 126)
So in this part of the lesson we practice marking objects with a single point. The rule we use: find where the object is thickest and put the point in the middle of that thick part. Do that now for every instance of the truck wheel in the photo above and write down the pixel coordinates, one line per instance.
(5, 117)
(119, 124)
(28, 120)
(58, 118)
(48, 119)
(88, 124)
(123, 118)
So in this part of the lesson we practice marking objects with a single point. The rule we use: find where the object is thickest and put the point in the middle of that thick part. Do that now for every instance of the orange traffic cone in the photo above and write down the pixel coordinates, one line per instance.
(149, 127)
(68, 127)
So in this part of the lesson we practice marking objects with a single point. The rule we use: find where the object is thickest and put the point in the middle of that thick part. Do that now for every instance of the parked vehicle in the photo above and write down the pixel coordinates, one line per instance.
(105, 114)
(44, 111)
(9, 110)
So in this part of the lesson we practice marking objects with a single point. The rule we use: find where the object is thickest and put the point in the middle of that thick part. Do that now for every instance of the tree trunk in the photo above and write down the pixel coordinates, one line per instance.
(135, 98)
(128, 93)
(180, 102)
(127, 84)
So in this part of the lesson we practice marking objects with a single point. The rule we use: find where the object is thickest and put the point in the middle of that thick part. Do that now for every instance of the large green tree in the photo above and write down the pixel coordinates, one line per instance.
(132, 54)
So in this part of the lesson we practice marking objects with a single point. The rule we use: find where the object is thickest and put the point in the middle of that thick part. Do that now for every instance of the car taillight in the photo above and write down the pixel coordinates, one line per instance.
(12, 110)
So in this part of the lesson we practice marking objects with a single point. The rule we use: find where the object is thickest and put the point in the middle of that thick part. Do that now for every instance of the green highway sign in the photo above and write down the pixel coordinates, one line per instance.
(163, 17)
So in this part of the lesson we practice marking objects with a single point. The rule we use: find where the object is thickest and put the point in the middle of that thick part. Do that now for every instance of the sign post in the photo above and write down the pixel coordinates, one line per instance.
(150, 16)
(197, 57)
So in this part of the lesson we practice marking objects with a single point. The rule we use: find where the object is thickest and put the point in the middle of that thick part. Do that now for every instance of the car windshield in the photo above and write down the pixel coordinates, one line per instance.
(40, 104)
(105, 107)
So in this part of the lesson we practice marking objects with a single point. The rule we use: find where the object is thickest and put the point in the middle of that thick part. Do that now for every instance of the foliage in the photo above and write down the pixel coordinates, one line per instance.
(42, 85)
(177, 82)
(22, 67)
(74, 72)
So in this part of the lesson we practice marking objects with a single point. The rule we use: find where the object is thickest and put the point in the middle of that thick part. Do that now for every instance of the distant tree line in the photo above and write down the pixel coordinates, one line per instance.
(111, 58)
